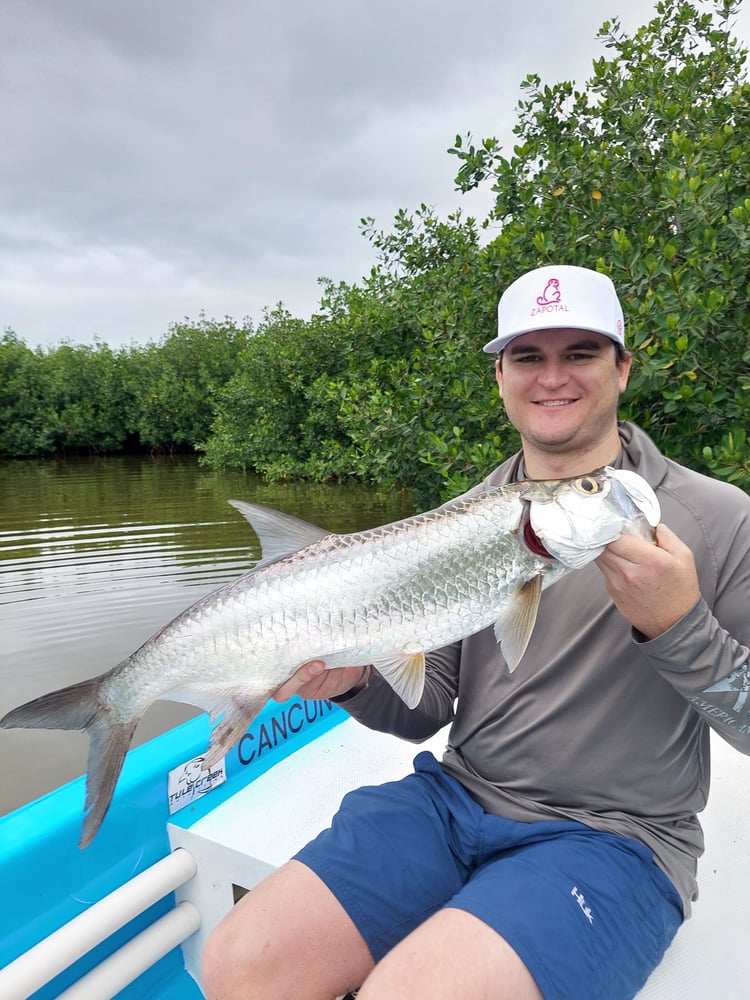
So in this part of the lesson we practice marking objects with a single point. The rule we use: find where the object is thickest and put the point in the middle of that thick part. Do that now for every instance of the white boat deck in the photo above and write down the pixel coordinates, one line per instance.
(260, 827)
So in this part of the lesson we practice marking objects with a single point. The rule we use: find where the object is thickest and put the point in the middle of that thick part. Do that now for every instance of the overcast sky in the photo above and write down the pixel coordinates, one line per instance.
(160, 158)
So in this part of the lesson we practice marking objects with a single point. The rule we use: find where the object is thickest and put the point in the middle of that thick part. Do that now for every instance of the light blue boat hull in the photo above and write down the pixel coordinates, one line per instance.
(47, 880)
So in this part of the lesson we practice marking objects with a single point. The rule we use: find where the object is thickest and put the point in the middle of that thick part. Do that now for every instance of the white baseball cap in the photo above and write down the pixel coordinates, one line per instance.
(558, 297)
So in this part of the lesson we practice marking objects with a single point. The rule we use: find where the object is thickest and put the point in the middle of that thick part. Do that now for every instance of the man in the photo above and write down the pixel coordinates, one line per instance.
(552, 852)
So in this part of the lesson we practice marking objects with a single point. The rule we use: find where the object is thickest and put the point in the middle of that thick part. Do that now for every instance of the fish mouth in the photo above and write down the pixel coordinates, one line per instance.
(531, 540)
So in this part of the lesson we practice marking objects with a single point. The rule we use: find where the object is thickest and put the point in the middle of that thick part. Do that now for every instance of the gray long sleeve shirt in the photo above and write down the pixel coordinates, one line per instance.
(596, 724)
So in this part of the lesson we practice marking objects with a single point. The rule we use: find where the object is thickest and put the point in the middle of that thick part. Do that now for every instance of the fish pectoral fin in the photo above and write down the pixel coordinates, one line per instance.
(405, 674)
(513, 630)
(238, 715)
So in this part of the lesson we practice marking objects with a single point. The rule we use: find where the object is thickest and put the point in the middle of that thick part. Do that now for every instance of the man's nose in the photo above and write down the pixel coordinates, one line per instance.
(552, 374)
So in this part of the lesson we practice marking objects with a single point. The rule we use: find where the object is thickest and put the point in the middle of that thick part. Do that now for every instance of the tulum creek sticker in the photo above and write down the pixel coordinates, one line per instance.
(190, 782)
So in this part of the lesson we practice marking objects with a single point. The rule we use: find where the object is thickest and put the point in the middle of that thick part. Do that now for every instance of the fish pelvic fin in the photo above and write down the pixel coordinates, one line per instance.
(405, 674)
(80, 707)
(238, 715)
(513, 629)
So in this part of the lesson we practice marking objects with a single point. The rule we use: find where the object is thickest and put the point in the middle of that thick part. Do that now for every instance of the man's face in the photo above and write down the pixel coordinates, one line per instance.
(561, 388)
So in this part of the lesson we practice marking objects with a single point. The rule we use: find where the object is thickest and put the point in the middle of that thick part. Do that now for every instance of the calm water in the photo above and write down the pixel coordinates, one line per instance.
(97, 554)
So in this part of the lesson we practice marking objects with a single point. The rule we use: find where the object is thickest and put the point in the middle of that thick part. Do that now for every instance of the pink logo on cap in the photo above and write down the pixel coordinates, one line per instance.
(551, 294)
(550, 301)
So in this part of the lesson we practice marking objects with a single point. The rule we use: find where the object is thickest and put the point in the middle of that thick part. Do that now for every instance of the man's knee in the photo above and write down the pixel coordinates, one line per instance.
(212, 964)
(288, 936)
(227, 963)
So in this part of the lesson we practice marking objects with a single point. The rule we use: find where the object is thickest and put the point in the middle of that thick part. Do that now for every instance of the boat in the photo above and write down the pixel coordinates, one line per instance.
(128, 917)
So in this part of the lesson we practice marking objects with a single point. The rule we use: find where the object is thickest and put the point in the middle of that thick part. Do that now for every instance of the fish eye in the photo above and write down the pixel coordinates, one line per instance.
(586, 484)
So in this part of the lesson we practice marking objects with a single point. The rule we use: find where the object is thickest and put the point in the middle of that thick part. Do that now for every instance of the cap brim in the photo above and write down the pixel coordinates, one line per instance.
(500, 343)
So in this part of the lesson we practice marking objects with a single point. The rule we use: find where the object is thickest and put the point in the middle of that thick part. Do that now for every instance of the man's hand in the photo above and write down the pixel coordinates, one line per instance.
(653, 586)
(312, 680)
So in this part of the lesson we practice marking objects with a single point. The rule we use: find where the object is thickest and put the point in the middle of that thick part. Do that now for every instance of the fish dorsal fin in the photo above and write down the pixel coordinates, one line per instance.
(513, 630)
(405, 673)
(279, 534)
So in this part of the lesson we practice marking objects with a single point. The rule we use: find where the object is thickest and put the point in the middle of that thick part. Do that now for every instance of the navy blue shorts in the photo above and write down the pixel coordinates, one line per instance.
(589, 913)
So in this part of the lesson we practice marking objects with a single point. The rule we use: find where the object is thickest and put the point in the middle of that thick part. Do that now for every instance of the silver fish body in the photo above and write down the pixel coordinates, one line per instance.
(384, 596)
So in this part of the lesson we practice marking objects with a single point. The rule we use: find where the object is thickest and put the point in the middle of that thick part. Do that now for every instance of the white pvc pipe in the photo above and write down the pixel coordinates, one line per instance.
(136, 955)
(65, 946)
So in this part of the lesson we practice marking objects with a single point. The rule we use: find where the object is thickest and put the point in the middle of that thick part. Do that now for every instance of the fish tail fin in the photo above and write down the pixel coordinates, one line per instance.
(80, 707)
(109, 742)
(73, 707)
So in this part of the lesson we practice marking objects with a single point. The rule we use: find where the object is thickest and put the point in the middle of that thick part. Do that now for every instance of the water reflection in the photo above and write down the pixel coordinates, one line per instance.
(97, 554)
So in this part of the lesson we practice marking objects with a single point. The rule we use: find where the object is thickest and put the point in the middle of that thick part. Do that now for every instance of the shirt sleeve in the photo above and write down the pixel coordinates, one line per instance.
(710, 668)
(705, 656)
(378, 707)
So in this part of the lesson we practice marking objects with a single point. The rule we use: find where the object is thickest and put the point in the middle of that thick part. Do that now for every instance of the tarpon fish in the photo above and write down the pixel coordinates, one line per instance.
(385, 596)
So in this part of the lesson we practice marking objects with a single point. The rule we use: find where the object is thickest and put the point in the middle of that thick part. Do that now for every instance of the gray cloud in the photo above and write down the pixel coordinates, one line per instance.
(163, 158)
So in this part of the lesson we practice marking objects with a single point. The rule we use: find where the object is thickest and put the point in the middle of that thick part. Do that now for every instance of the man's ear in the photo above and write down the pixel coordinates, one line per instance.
(499, 376)
(624, 367)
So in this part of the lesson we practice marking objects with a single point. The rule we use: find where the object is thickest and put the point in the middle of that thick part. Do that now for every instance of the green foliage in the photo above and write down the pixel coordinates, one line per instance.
(81, 394)
(93, 399)
(23, 429)
(385, 383)
(644, 174)
(421, 408)
(265, 420)
(64, 399)
(174, 385)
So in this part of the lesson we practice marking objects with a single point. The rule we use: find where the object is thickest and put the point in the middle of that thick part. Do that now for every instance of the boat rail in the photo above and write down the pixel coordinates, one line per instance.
(59, 950)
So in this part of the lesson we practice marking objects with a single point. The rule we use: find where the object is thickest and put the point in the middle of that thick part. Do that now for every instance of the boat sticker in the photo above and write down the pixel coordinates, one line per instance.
(190, 782)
